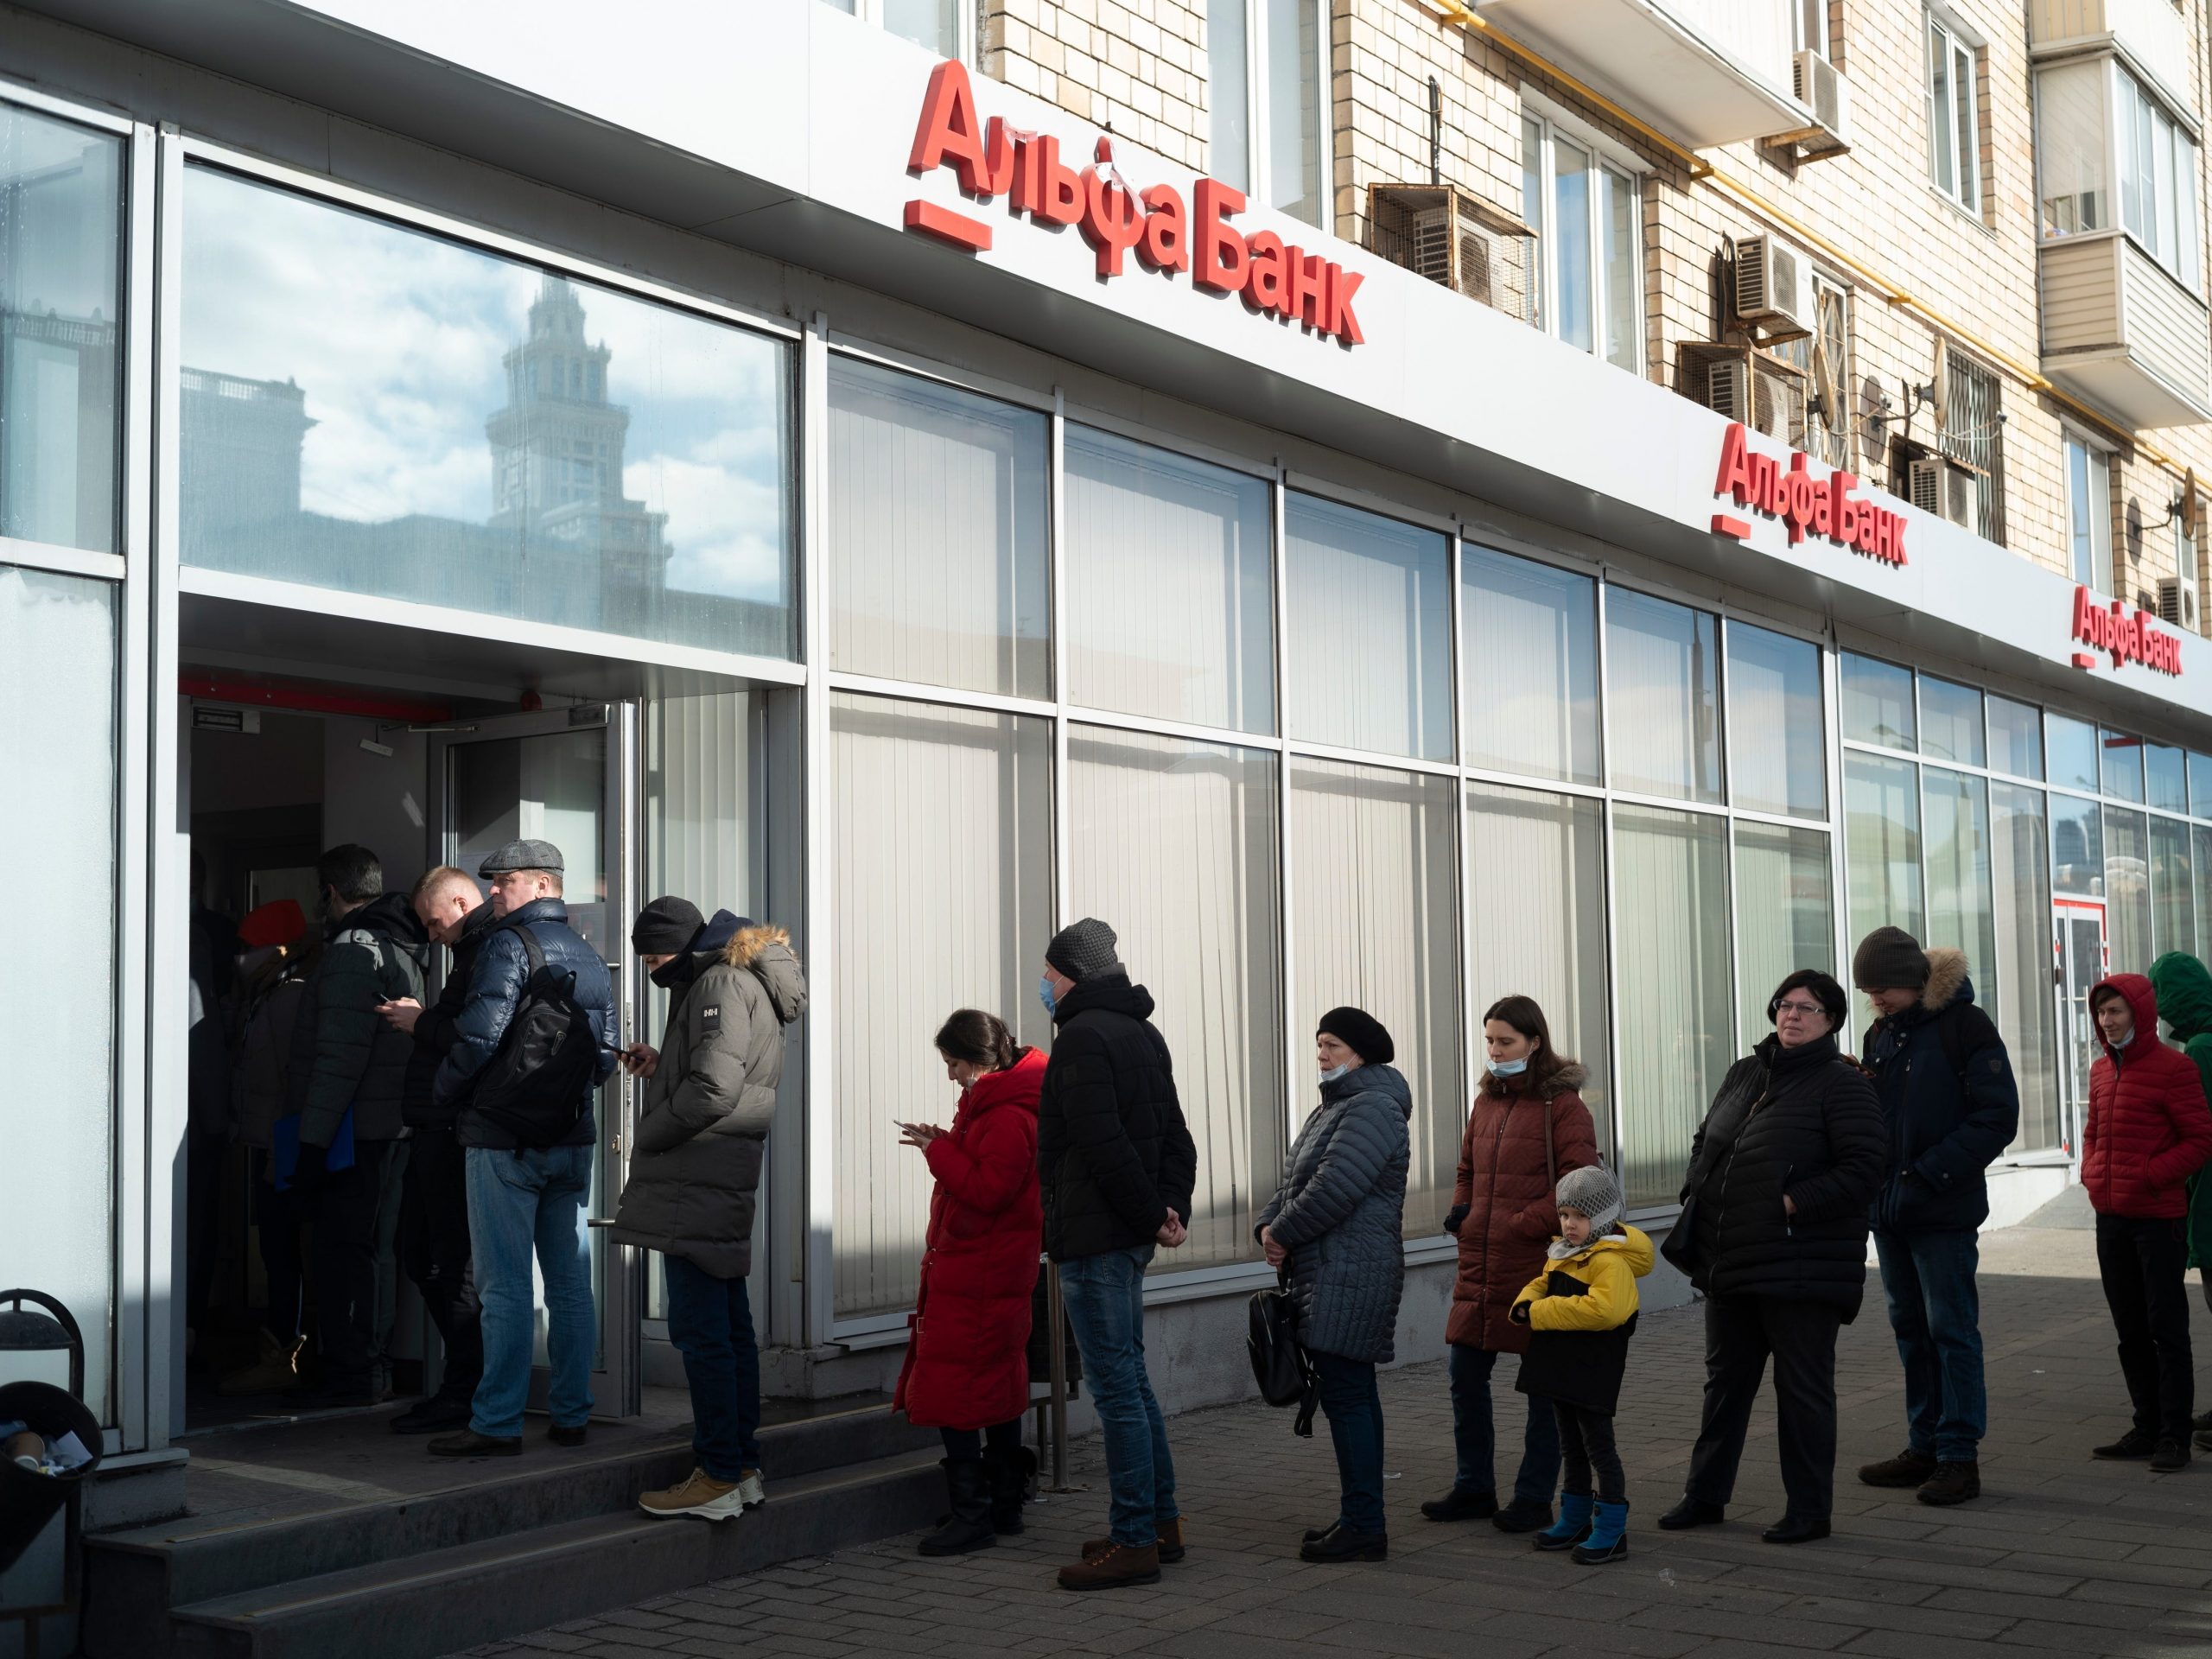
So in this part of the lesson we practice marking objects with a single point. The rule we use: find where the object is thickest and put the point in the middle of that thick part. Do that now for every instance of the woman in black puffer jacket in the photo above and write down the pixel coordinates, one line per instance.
(1773, 1231)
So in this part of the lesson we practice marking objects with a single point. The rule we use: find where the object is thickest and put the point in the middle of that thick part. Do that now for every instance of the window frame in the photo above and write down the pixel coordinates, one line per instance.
(2098, 476)
(1941, 32)
(1258, 184)
(2129, 100)
(967, 44)
(1553, 127)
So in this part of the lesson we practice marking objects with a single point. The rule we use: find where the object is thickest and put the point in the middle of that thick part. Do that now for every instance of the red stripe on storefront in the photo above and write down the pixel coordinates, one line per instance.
(2082, 659)
(948, 227)
(1725, 525)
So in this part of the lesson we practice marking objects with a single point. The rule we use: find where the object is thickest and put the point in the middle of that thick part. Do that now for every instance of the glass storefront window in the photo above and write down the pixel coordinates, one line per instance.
(2200, 840)
(58, 655)
(1950, 723)
(2071, 748)
(2015, 737)
(1370, 631)
(2020, 873)
(1374, 902)
(2077, 847)
(1671, 927)
(1175, 844)
(379, 410)
(2173, 900)
(2200, 784)
(1961, 907)
(1170, 591)
(60, 303)
(1878, 702)
(1662, 712)
(1881, 846)
(1536, 921)
(1777, 754)
(2166, 774)
(943, 859)
(938, 527)
(2127, 891)
(2120, 765)
(1785, 917)
(1530, 702)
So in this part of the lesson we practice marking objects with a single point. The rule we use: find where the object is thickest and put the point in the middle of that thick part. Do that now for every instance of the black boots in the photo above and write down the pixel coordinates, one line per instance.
(1009, 1479)
(968, 1527)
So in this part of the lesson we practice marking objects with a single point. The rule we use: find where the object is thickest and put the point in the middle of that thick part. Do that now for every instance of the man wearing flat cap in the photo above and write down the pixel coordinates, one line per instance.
(526, 1190)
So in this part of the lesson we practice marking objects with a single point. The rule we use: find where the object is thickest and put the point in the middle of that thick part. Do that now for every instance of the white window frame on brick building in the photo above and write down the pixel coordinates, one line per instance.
(1953, 132)
(953, 34)
(1809, 27)
(1545, 133)
(1248, 86)
(2088, 511)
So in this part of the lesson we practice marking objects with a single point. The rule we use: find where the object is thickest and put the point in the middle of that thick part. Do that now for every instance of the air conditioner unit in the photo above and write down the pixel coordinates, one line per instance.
(1774, 290)
(1769, 400)
(1943, 488)
(2178, 602)
(1443, 234)
(1820, 87)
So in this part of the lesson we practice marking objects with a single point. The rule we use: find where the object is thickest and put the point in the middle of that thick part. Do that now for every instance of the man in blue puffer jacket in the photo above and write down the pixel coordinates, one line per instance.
(522, 1197)
(1950, 1106)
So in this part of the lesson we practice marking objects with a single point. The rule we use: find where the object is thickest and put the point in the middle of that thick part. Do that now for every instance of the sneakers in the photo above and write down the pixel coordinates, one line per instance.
(1952, 1483)
(1114, 1567)
(2170, 1458)
(1692, 1512)
(1908, 1468)
(1460, 1505)
(1522, 1516)
(1169, 1544)
(2130, 1447)
(1341, 1543)
(701, 1495)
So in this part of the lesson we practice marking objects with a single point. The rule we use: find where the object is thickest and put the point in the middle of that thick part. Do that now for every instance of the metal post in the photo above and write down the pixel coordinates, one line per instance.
(1055, 1318)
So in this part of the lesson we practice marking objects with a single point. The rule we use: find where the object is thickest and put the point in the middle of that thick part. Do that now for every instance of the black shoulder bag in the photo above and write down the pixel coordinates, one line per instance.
(1280, 1363)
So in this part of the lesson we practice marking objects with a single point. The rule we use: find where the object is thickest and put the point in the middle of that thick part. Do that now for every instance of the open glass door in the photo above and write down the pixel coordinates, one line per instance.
(2078, 936)
(563, 777)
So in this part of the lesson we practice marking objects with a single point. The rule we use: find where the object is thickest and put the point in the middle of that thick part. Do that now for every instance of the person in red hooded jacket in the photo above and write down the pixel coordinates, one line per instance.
(2149, 1131)
(967, 1370)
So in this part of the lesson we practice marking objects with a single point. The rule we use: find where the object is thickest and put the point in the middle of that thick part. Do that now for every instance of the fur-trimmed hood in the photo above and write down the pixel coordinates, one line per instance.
(767, 949)
(1947, 977)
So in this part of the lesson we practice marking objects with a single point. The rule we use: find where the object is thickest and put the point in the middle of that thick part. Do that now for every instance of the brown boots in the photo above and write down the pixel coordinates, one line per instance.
(1170, 1544)
(1112, 1568)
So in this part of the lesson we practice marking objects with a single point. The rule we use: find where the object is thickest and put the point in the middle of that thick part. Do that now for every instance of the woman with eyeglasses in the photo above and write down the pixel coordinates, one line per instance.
(1773, 1231)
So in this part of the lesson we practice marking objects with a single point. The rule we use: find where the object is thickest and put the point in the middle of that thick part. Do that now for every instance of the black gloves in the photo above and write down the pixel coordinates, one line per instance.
(1454, 1217)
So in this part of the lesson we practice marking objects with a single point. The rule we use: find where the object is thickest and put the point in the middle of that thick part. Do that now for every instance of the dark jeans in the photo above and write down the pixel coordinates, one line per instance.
(1740, 1333)
(966, 1444)
(1354, 1409)
(355, 1214)
(1104, 1299)
(1585, 1445)
(203, 1188)
(1476, 1442)
(2144, 1265)
(276, 1226)
(1936, 1310)
(434, 1246)
(710, 1322)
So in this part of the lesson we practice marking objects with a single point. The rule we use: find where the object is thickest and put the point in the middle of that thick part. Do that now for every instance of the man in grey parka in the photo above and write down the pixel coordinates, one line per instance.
(733, 986)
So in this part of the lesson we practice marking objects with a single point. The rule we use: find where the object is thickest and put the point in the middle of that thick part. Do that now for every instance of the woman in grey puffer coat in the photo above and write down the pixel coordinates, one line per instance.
(1336, 1226)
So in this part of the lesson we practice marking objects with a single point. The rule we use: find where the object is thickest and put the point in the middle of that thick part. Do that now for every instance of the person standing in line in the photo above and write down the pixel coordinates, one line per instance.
(1773, 1231)
(967, 1367)
(433, 1202)
(1118, 1167)
(2183, 989)
(527, 1195)
(1337, 1226)
(733, 985)
(1529, 1126)
(1580, 1311)
(1950, 1107)
(348, 1071)
(2149, 1131)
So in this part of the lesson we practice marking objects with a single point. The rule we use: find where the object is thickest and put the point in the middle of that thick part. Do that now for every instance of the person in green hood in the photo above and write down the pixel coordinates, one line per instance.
(2183, 987)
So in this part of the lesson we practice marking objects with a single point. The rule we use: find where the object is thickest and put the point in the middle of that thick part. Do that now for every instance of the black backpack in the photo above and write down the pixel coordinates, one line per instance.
(537, 1083)
(1280, 1363)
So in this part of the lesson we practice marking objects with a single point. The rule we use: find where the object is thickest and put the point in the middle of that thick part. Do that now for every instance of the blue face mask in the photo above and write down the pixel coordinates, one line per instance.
(1334, 1072)
(1045, 996)
(1509, 1068)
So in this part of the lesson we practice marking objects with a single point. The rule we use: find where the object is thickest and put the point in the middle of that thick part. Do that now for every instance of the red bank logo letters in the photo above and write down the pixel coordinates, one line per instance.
(1807, 505)
(2129, 639)
(1274, 277)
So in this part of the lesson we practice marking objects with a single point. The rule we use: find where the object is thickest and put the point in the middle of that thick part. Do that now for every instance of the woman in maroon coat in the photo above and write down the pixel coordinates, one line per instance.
(967, 1372)
(1528, 1129)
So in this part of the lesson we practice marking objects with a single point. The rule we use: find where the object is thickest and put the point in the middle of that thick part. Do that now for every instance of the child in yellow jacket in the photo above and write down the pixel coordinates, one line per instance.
(1582, 1310)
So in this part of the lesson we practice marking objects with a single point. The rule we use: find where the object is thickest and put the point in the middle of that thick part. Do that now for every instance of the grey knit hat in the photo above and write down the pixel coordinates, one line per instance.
(1594, 1192)
(1083, 950)
(1888, 959)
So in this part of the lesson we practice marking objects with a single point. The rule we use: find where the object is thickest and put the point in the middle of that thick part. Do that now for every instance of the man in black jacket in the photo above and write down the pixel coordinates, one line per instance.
(1950, 1106)
(1117, 1167)
(347, 1072)
(434, 1200)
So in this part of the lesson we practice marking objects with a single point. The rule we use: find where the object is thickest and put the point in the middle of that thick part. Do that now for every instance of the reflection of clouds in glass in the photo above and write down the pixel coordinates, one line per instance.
(730, 544)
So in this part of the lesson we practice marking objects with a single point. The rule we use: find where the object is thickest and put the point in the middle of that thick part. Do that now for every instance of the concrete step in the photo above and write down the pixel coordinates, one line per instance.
(435, 1602)
(135, 1579)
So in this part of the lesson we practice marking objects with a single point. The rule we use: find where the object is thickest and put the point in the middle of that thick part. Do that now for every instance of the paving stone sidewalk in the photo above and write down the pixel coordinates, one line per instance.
(2061, 1555)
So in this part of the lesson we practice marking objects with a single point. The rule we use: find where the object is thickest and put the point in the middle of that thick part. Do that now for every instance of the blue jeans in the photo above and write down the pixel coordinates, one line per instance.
(1936, 1310)
(710, 1322)
(1476, 1443)
(518, 1202)
(1104, 1295)
(1354, 1409)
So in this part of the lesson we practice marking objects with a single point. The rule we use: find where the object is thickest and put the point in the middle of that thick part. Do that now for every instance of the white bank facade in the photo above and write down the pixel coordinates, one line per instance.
(420, 429)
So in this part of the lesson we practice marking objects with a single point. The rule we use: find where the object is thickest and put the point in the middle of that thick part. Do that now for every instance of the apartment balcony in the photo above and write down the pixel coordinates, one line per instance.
(2153, 35)
(2118, 330)
(1703, 72)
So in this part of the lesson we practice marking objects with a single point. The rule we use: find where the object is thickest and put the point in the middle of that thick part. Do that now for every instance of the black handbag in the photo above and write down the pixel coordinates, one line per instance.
(1280, 1363)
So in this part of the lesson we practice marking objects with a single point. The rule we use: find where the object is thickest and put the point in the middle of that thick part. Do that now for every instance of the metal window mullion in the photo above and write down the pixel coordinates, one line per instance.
(1286, 897)
(1057, 569)
(1519, 780)
(1617, 1107)
(1462, 921)
(1259, 119)
(817, 1256)
(1839, 849)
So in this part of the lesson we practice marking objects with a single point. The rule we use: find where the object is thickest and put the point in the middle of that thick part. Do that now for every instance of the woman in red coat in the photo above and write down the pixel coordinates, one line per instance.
(967, 1372)
(1528, 1129)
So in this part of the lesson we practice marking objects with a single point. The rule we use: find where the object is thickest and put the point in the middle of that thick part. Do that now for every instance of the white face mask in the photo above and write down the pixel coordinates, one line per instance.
(1334, 1072)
